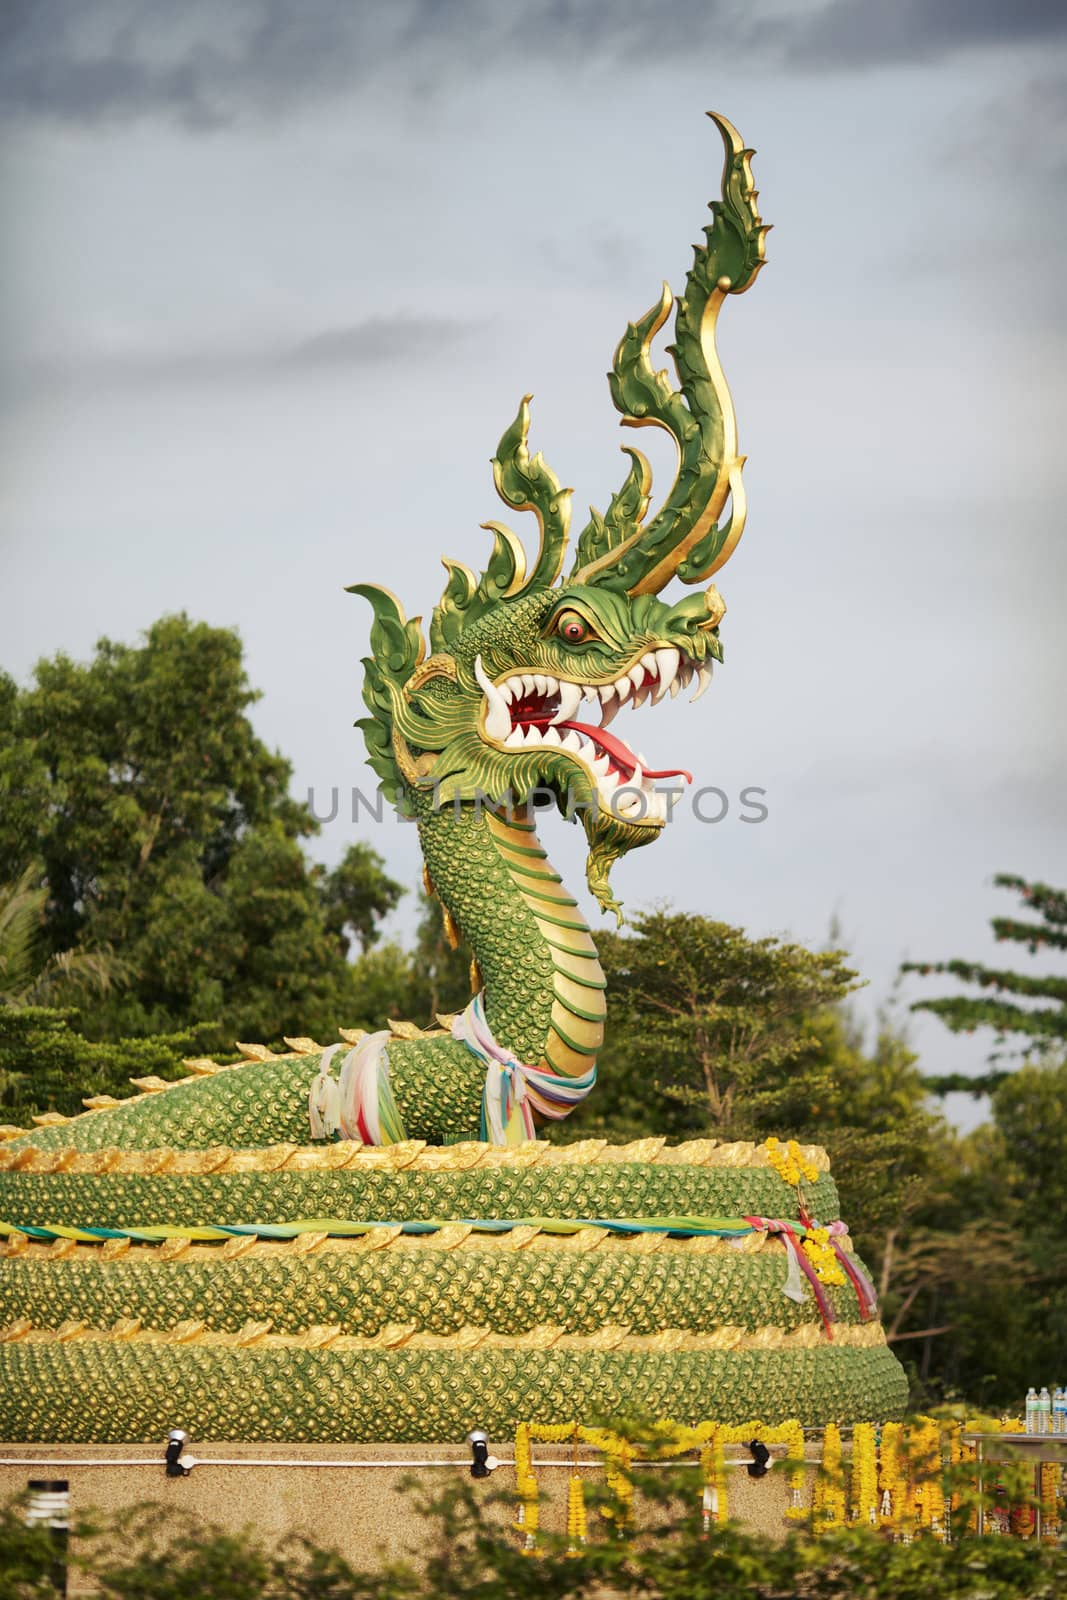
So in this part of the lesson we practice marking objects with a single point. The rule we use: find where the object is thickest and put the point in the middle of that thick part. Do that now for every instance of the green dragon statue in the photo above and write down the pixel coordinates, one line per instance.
(425, 1260)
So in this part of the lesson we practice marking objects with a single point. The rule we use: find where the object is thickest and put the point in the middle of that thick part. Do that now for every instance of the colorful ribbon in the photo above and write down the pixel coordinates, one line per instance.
(358, 1103)
(513, 1091)
(799, 1260)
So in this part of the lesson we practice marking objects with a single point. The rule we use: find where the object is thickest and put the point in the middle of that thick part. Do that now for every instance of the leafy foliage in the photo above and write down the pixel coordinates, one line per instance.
(1037, 1027)
(164, 832)
(166, 1556)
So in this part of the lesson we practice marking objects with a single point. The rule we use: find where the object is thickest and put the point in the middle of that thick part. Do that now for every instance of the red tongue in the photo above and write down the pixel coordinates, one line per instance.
(620, 753)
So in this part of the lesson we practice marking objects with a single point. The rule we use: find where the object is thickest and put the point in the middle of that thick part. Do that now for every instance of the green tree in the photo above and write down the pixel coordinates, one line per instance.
(167, 837)
(984, 1265)
(1011, 1004)
(707, 1026)
(29, 974)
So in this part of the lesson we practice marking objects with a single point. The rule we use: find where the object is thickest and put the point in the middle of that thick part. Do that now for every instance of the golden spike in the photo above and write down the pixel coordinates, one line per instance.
(62, 1247)
(253, 1333)
(239, 1245)
(125, 1327)
(188, 1331)
(9, 1131)
(255, 1052)
(352, 1035)
(49, 1119)
(201, 1066)
(393, 1335)
(113, 1248)
(17, 1244)
(305, 1244)
(405, 1030)
(452, 933)
(303, 1046)
(171, 1249)
(319, 1336)
(150, 1085)
(72, 1329)
(21, 1328)
(100, 1102)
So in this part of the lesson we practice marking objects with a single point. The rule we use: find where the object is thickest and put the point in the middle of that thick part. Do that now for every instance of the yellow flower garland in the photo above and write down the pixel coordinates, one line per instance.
(789, 1163)
(863, 1480)
(1051, 1485)
(820, 1252)
(668, 1440)
(896, 1481)
(526, 1487)
(828, 1500)
(576, 1518)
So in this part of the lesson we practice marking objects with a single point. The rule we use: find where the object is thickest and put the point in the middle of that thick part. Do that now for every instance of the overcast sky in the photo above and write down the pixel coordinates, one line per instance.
(277, 273)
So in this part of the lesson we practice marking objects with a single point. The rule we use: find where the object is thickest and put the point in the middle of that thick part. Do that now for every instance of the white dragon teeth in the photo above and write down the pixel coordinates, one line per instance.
(514, 739)
(703, 679)
(623, 687)
(676, 685)
(600, 766)
(638, 776)
(666, 666)
(551, 736)
(606, 692)
(572, 742)
(636, 675)
(610, 712)
(497, 716)
(570, 698)
(590, 693)
(529, 684)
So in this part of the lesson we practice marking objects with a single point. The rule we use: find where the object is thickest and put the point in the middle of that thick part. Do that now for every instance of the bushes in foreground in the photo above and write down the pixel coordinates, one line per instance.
(168, 1556)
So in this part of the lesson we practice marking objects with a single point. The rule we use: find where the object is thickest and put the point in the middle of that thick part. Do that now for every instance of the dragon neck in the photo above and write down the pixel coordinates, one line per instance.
(544, 988)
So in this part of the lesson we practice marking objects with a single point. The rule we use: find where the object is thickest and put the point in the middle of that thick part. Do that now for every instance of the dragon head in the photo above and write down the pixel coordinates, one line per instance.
(525, 672)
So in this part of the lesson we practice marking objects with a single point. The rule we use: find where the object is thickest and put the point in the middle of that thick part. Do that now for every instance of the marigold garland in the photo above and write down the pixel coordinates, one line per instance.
(897, 1478)
(576, 1518)
(789, 1162)
(828, 1500)
(526, 1486)
(863, 1479)
(820, 1252)
(1051, 1485)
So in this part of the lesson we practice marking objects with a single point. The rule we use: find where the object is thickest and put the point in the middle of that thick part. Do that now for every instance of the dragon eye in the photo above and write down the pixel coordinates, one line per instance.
(572, 627)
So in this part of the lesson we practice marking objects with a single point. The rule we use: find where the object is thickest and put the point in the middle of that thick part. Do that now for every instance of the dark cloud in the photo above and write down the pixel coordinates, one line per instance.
(378, 341)
(205, 65)
(873, 33)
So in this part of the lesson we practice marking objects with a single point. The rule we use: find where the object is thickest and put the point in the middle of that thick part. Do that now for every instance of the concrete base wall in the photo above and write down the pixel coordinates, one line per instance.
(355, 1504)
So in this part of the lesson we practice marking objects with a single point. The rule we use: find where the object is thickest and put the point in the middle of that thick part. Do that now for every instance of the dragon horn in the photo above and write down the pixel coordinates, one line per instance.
(527, 484)
(684, 538)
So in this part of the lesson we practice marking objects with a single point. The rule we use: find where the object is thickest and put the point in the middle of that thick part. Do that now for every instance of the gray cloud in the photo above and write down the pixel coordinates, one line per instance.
(205, 66)
(378, 341)
(873, 33)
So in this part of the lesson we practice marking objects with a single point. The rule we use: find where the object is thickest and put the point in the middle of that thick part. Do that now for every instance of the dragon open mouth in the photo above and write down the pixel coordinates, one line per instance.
(532, 709)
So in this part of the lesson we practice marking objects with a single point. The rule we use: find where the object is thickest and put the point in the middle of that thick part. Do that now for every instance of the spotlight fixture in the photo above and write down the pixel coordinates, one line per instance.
(176, 1467)
(482, 1463)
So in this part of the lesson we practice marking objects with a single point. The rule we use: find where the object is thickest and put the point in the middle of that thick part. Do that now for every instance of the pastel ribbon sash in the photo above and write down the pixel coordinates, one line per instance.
(513, 1091)
(358, 1103)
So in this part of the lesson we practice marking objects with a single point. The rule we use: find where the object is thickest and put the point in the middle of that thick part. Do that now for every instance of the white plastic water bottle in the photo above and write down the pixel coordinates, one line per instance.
(1044, 1411)
(1031, 1410)
(1059, 1410)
